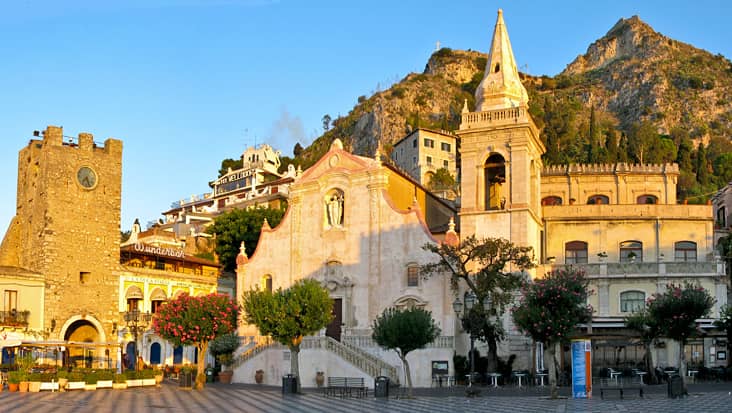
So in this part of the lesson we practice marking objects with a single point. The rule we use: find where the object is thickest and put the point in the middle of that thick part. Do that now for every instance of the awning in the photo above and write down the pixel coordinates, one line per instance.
(134, 292)
(10, 343)
(158, 295)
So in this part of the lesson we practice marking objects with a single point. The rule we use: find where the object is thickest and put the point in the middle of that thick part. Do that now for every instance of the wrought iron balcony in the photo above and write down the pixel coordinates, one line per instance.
(14, 318)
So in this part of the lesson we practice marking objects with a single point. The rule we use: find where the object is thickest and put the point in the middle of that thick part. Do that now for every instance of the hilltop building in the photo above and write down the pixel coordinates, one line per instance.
(620, 223)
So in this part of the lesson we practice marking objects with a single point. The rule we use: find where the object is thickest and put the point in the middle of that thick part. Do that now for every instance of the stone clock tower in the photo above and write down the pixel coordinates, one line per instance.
(501, 154)
(67, 228)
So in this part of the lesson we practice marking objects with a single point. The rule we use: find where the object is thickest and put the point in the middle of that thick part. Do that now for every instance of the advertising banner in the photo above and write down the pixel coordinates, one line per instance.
(581, 368)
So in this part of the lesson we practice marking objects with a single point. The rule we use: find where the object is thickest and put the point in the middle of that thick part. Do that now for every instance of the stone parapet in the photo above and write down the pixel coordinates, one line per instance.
(617, 168)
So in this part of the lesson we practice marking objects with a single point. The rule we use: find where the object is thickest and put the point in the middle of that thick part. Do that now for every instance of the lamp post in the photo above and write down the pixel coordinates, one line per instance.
(457, 306)
(137, 322)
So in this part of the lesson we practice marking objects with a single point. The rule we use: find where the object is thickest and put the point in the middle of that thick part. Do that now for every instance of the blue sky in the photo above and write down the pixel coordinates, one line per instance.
(187, 83)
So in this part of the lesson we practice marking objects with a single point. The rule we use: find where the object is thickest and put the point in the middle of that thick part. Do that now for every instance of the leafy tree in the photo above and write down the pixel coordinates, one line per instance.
(702, 165)
(289, 315)
(724, 322)
(326, 123)
(195, 321)
(223, 347)
(241, 225)
(642, 139)
(404, 331)
(481, 264)
(676, 311)
(297, 150)
(234, 164)
(442, 179)
(723, 168)
(593, 149)
(649, 330)
(550, 310)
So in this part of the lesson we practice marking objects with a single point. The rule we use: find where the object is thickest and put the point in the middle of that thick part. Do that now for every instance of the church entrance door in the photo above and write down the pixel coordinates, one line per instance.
(334, 328)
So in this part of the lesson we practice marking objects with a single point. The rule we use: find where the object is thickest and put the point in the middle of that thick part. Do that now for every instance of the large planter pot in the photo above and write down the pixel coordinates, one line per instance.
(225, 376)
(320, 378)
(49, 385)
(119, 386)
(75, 385)
(13, 387)
(104, 384)
(134, 382)
(34, 386)
(90, 386)
(259, 376)
(159, 378)
(148, 382)
(23, 388)
(185, 379)
(62, 384)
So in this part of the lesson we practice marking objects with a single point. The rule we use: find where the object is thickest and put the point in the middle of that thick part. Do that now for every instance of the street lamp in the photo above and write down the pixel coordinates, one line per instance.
(457, 306)
(137, 322)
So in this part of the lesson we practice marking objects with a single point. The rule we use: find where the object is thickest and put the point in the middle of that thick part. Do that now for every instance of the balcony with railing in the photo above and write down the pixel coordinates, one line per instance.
(645, 269)
(14, 318)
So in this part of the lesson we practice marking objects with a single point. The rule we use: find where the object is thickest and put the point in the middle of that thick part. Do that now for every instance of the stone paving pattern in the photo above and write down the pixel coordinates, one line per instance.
(711, 397)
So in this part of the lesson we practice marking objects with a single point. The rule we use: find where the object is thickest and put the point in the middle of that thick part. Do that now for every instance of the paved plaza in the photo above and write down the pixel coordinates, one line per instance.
(218, 398)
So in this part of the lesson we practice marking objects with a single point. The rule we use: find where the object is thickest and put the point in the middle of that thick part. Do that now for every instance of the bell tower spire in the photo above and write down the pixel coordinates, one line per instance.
(501, 86)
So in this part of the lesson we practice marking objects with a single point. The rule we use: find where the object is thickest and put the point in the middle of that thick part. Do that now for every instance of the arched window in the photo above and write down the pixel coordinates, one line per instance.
(598, 199)
(334, 208)
(551, 200)
(575, 252)
(155, 353)
(632, 301)
(267, 283)
(157, 298)
(685, 251)
(631, 251)
(133, 297)
(495, 177)
(647, 199)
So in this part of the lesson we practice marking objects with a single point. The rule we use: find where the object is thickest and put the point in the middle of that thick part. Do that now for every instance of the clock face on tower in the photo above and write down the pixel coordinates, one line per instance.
(86, 177)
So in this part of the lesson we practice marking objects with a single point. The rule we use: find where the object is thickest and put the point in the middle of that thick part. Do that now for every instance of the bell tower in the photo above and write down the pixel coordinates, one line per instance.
(501, 154)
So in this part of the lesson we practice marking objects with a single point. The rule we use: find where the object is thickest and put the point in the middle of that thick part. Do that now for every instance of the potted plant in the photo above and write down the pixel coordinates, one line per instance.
(76, 381)
(223, 348)
(14, 378)
(185, 377)
(148, 377)
(104, 379)
(134, 379)
(34, 382)
(119, 381)
(91, 379)
(159, 375)
(24, 383)
(63, 379)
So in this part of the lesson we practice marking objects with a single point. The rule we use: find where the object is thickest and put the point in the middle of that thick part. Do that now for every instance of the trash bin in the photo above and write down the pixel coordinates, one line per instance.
(289, 384)
(381, 386)
(185, 379)
(675, 386)
(209, 374)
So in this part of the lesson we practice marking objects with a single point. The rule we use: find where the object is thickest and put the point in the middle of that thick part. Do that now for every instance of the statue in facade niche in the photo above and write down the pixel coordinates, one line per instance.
(334, 206)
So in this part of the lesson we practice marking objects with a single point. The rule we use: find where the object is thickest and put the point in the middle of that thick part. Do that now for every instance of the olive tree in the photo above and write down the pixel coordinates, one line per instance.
(289, 315)
(405, 331)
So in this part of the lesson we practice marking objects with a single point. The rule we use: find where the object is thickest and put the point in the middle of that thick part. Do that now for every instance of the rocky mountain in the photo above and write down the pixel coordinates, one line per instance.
(631, 76)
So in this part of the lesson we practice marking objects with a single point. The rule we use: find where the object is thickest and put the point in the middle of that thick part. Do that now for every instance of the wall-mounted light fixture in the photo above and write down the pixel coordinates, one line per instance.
(53, 324)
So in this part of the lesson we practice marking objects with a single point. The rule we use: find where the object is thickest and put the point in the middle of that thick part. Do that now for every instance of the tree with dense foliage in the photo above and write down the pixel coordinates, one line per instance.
(196, 321)
(442, 179)
(241, 225)
(229, 163)
(326, 122)
(223, 348)
(289, 315)
(483, 266)
(649, 331)
(724, 322)
(676, 311)
(405, 331)
(550, 309)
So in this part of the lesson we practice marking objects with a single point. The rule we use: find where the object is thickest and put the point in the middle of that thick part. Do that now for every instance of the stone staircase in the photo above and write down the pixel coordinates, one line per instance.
(368, 363)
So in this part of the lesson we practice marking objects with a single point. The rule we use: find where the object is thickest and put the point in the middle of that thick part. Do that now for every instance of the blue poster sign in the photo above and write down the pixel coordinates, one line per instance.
(581, 369)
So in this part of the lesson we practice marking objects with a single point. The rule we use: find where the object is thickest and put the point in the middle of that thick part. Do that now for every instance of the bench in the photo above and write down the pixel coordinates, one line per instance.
(620, 389)
(346, 386)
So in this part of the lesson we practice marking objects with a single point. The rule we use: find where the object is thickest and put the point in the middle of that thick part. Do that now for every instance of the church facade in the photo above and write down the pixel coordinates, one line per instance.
(620, 223)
